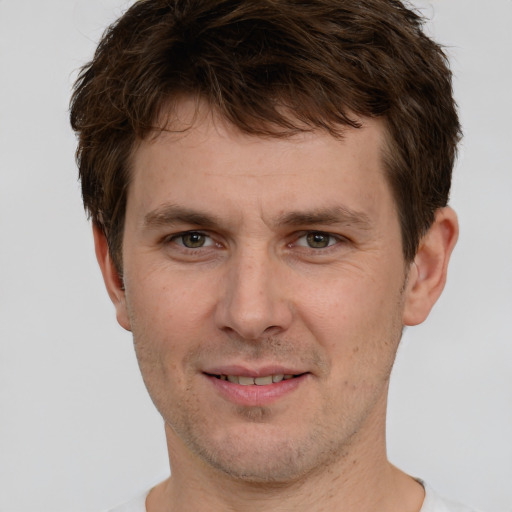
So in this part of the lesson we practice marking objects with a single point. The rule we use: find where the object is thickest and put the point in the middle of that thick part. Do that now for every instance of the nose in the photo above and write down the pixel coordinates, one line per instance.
(253, 301)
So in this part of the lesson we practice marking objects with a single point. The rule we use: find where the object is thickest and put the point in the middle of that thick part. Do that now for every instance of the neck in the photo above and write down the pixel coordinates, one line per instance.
(362, 480)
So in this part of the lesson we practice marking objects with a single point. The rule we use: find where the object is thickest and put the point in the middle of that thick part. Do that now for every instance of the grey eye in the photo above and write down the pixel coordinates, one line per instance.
(193, 240)
(316, 240)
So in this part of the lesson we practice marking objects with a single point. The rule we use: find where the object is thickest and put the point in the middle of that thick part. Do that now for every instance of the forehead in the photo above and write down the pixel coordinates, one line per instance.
(200, 158)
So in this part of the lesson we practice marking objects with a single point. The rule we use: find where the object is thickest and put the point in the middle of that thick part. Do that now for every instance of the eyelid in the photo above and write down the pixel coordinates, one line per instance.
(212, 241)
(303, 234)
(176, 237)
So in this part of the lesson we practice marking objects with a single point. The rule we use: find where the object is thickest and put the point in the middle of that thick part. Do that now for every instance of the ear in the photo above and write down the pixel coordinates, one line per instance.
(427, 274)
(111, 277)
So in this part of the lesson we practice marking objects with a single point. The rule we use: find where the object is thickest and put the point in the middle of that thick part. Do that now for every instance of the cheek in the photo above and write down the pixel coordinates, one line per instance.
(356, 319)
(169, 302)
(349, 301)
(163, 333)
(171, 320)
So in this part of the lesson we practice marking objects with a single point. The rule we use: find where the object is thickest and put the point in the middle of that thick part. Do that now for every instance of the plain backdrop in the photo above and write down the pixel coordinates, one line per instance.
(77, 430)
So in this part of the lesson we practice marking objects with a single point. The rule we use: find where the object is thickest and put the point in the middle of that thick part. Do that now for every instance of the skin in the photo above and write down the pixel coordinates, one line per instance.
(294, 260)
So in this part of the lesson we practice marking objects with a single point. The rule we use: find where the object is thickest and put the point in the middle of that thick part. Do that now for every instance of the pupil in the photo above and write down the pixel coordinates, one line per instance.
(317, 240)
(193, 240)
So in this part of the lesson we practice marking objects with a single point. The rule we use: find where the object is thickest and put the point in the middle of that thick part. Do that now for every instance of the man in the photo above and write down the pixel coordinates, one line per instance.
(268, 184)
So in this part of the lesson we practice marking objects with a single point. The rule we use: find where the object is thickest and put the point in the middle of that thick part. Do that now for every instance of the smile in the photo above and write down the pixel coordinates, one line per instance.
(255, 381)
(254, 390)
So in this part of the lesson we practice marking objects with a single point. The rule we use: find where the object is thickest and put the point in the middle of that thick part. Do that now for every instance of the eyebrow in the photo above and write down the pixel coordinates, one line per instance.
(327, 216)
(171, 214)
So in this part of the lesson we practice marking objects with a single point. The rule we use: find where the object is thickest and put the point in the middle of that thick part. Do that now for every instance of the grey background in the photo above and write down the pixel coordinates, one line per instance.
(77, 431)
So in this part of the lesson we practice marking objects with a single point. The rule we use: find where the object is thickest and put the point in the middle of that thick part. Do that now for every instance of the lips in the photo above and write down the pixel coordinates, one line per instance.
(255, 387)
(255, 381)
(261, 376)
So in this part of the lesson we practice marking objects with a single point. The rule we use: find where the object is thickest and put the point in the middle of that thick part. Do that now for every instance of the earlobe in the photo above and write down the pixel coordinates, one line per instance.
(111, 277)
(427, 274)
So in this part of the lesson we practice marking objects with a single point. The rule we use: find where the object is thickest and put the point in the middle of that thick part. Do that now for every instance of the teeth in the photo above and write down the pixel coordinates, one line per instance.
(262, 381)
(258, 381)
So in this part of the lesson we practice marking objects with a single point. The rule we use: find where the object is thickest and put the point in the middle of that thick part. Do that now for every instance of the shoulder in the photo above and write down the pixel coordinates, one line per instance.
(137, 504)
(435, 503)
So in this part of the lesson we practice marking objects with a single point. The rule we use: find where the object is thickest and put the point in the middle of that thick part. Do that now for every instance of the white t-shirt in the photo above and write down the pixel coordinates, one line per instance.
(432, 503)
(138, 504)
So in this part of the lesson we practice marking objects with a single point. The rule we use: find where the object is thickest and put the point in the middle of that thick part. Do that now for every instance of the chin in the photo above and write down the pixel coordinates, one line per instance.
(280, 467)
(262, 455)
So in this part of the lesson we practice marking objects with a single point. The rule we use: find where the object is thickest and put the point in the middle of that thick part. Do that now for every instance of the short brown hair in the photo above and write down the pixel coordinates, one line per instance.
(272, 68)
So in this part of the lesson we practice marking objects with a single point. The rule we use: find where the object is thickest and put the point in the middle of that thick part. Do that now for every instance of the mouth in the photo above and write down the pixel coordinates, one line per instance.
(257, 387)
(265, 380)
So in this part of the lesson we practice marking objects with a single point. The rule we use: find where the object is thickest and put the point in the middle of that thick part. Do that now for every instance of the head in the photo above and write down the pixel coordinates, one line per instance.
(261, 175)
(271, 69)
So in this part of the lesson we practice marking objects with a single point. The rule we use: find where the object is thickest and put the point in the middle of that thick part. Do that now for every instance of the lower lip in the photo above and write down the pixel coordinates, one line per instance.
(255, 395)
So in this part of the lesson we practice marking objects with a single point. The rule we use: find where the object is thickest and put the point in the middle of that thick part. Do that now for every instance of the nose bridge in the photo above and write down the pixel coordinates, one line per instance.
(252, 303)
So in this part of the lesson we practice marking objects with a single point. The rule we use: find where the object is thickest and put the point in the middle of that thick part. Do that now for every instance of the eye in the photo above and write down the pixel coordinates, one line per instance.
(192, 240)
(316, 240)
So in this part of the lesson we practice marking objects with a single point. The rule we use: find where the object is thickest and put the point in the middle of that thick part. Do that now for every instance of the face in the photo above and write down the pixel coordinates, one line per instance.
(264, 286)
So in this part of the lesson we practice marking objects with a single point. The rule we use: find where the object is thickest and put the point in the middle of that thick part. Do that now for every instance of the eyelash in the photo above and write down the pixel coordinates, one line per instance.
(332, 241)
(180, 236)
(309, 236)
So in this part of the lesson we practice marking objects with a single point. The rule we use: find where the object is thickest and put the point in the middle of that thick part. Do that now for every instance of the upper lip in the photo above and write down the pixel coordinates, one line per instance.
(243, 371)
